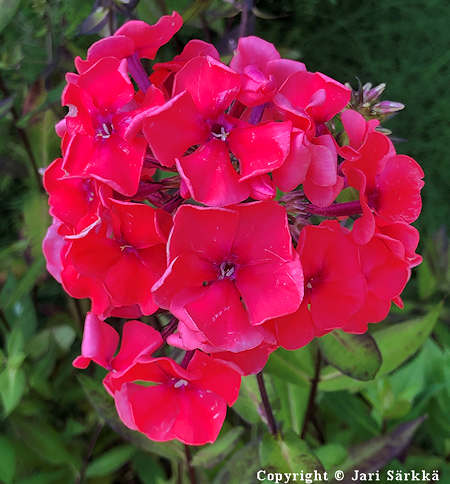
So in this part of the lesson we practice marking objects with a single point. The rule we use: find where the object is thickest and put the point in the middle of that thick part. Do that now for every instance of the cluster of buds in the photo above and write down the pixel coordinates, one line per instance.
(206, 194)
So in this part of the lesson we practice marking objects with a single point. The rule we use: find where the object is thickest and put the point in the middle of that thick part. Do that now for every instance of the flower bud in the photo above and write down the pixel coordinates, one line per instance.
(388, 107)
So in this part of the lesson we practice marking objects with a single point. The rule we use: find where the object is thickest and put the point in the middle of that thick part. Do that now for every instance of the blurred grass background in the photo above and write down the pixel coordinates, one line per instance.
(48, 424)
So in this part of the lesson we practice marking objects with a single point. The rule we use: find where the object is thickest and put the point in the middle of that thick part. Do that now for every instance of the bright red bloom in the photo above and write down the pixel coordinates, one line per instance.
(134, 37)
(335, 287)
(163, 72)
(94, 144)
(389, 186)
(262, 69)
(309, 100)
(77, 202)
(116, 263)
(244, 252)
(203, 89)
(185, 404)
(386, 275)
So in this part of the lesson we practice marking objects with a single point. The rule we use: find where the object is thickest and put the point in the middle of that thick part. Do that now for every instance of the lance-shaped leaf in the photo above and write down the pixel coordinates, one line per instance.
(110, 461)
(241, 467)
(355, 355)
(210, 455)
(287, 454)
(7, 460)
(104, 406)
(296, 367)
(396, 343)
(379, 451)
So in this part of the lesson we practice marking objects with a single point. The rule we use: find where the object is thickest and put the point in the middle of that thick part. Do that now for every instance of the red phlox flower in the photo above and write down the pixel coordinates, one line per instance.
(203, 89)
(389, 186)
(335, 287)
(162, 75)
(134, 37)
(159, 398)
(240, 253)
(386, 275)
(309, 100)
(94, 145)
(262, 70)
(119, 260)
(77, 202)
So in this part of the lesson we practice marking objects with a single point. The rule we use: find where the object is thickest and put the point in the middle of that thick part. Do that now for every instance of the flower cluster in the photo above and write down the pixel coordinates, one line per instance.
(254, 205)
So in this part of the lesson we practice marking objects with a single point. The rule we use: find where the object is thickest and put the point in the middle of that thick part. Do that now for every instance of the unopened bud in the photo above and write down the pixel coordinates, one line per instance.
(388, 107)
(376, 92)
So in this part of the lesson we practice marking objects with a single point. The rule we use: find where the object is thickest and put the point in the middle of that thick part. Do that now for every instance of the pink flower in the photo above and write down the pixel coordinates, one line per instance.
(134, 37)
(203, 89)
(240, 253)
(116, 263)
(94, 144)
(164, 401)
(262, 69)
(383, 285)
(335, 287)
(389, 186)
(309, 100)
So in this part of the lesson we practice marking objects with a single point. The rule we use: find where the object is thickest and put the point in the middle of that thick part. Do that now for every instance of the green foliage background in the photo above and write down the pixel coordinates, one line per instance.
(58, 425)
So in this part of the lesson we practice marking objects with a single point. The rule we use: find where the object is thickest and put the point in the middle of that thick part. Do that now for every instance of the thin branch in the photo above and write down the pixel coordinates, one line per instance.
(246, 17)
(191, 470)
(94, 438)
(266, 404)
(312, 395)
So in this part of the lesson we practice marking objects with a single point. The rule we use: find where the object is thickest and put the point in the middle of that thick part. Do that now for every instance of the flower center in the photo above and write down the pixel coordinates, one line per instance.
(104, 129)
(180, 383)
(227, 270)
(219, 132)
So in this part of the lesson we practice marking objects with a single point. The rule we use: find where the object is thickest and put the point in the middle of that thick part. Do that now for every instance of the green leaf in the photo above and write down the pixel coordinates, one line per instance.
(45, 441)
(210, 455)
(36, 221)
(331, 455)
(15, 342)
(7, 460)
(376, 453)
(293, 366)
(248, 403)
(110, 461)
(399, 342)
(351, 410)
(287, 454)
(148, 469)
(241, 467)
(12, 388)
(8, 8)
(105, 408)
(64, 336)
(426, 281)
(293, 404)
(396, 343)
(25, 285)
(355, 355)
(22, 313)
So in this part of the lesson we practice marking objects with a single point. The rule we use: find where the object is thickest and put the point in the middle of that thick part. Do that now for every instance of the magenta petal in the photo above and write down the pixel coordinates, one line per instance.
(295, 330)
(138, 339)
(293, 171)
(99, 344)
(271, 290)
(211, 84)
(215, 230)
(263, 233)
(253, 51)
(108, 83)
(220, 315)
(323, 168)
(260, 149)
(200, 418)
(179, 116)
(210, 176)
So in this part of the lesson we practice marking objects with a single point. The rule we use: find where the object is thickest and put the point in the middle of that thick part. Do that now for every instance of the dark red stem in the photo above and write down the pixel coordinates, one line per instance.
(266, 404)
